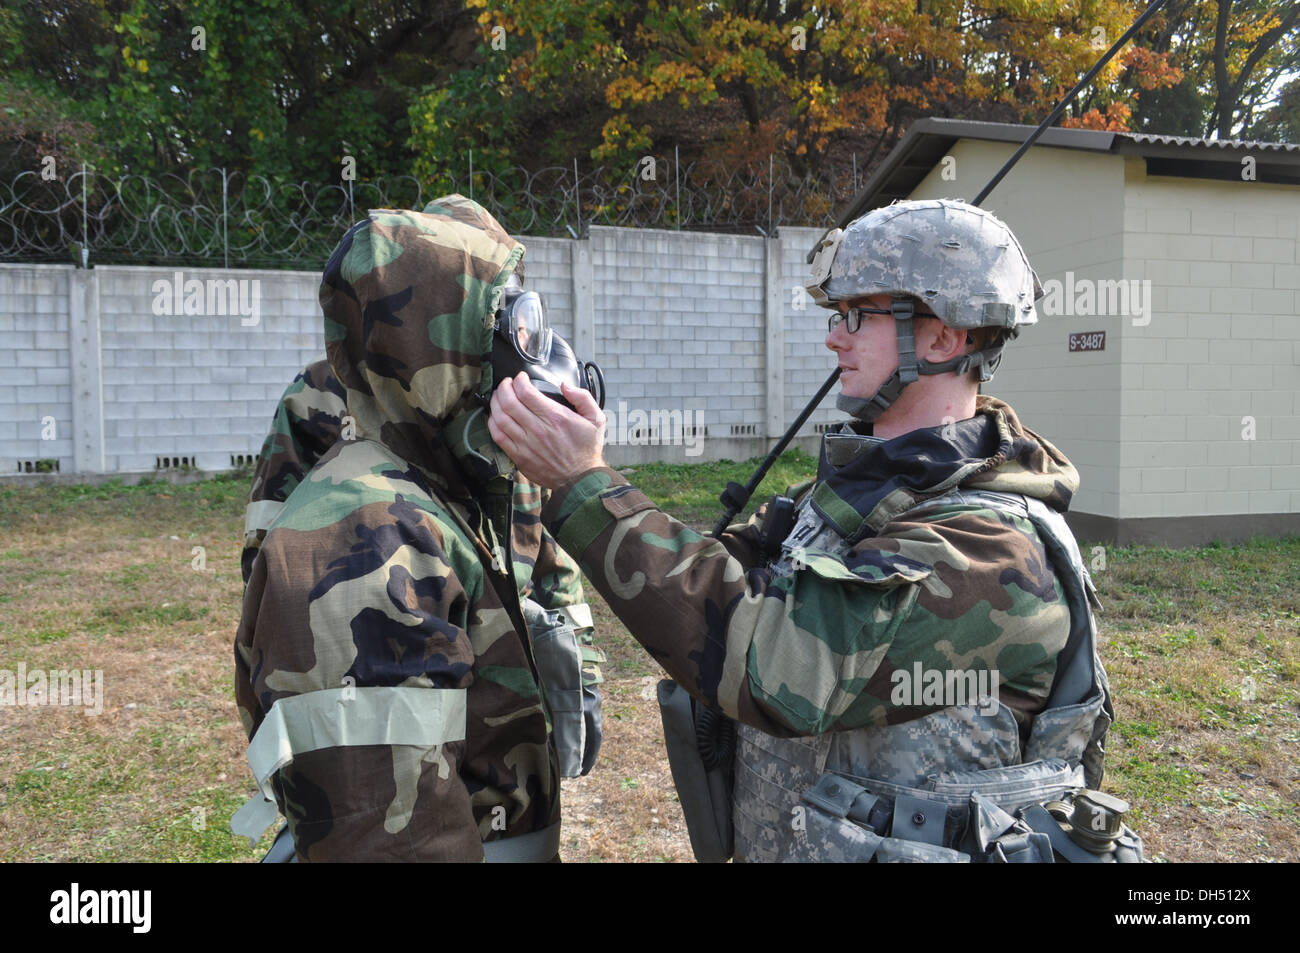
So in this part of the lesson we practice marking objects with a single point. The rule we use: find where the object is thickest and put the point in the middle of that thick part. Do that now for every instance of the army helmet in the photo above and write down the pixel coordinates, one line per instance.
(959, 260)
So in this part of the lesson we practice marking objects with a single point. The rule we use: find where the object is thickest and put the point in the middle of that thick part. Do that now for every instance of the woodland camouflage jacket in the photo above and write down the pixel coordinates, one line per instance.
(382, 636)
(814, 650)
(307, 422)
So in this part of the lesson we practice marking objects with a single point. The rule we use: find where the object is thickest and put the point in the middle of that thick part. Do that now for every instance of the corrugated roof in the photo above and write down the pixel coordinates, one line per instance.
(1251, 144)
(928, 140)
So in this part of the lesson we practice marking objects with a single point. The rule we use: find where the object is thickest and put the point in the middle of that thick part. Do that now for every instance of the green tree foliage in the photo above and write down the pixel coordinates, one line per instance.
(288, 88)
(1282, 122)
(282, 88)
(1234, 56)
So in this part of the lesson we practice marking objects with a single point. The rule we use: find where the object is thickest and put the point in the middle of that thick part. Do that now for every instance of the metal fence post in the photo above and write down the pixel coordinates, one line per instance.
(677, 176)
(771, 177)
(225, 227)
(85, 220)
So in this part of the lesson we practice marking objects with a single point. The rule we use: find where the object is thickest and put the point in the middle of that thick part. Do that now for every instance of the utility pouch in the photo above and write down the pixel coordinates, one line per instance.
(704, 789)
(840, 821)
(834, 823)
(559, 665)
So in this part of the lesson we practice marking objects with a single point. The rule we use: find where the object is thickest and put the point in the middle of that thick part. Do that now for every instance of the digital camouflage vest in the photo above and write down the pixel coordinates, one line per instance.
(964, 770)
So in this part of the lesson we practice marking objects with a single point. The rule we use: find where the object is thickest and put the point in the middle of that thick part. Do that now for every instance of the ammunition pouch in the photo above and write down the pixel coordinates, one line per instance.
(840, 820)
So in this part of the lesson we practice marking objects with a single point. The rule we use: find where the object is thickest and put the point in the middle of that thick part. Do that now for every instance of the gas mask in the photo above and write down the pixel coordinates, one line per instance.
(523, 341)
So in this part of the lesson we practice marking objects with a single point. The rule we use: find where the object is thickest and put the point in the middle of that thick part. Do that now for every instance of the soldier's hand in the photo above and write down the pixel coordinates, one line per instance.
(547, 441)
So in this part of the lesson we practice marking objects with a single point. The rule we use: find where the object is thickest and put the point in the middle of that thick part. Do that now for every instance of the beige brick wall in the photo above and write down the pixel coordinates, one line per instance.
(1155, 422)
(1221, 347)
(1067, 210)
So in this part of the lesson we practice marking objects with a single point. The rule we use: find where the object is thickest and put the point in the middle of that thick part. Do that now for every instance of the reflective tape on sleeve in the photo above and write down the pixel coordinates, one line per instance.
(260, 514)
(343, 717)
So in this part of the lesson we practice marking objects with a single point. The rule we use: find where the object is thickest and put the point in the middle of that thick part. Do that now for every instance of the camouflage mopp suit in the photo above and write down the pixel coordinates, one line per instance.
(384, 667)
(925, 553)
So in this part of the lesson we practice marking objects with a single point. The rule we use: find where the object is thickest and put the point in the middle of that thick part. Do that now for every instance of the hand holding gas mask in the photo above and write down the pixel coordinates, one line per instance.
(524, 342)
(531, 362)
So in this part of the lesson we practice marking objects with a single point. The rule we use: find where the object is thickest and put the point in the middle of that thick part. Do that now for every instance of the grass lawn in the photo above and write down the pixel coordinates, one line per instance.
(143, 583)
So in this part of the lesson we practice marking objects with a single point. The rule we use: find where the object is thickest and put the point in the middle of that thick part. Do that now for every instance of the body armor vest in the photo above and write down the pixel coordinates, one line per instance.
(943, 786)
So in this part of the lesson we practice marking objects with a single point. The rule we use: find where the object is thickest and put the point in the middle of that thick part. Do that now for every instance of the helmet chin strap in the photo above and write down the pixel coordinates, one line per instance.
(910, 369)
(870, 408)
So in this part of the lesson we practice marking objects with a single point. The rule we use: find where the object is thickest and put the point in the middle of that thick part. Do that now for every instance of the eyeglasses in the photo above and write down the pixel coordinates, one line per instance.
(852, 318)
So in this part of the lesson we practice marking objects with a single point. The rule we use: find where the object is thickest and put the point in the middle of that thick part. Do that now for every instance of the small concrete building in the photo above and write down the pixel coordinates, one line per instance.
(1166, 361)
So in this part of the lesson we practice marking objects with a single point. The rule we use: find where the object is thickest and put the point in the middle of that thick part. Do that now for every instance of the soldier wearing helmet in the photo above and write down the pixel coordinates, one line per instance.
(950, 264)
(913, 663)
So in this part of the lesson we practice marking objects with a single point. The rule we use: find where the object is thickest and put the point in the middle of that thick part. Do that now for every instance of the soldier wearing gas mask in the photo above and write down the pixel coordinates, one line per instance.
(414, 664)
(913, 660)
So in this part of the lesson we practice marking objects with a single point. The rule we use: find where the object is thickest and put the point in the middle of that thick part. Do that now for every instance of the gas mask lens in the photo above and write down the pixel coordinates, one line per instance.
(523, 322)
(524, 342)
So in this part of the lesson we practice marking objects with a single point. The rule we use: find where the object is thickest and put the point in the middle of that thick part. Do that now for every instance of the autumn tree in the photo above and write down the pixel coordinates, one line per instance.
(808, 80)
(1234, 57)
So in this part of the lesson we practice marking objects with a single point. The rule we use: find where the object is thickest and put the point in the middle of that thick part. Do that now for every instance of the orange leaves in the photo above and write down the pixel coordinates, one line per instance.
(814, 77)
(1115, 118)
(1151, 70)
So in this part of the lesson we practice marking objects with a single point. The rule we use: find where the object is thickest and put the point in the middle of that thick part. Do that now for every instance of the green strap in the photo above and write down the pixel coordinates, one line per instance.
(344, 717)
(260, 514)
(1036, 816)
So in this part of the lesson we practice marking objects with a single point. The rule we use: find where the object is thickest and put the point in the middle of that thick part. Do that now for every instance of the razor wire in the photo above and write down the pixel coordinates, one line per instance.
(218, 218)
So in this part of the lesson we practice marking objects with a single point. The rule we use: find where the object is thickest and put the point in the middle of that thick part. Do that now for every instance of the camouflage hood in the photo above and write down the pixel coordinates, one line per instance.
(863, 488)
(408, 299)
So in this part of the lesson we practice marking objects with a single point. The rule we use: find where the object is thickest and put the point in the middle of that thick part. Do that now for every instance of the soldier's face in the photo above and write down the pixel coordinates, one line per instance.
(868, 356)
(522, 333)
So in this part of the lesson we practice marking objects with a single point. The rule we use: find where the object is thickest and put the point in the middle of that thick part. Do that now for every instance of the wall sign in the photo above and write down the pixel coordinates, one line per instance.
(1088, 341)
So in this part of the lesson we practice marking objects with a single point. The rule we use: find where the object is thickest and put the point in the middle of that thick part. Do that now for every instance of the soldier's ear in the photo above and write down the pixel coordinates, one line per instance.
(947, 342)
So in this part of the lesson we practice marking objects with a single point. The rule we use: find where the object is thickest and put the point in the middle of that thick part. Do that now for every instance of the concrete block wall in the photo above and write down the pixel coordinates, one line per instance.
(807, 359)
(679, 325)
(1210, 414)
(36, 415)
(198, 387)
(548, 270)
(679, 322)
